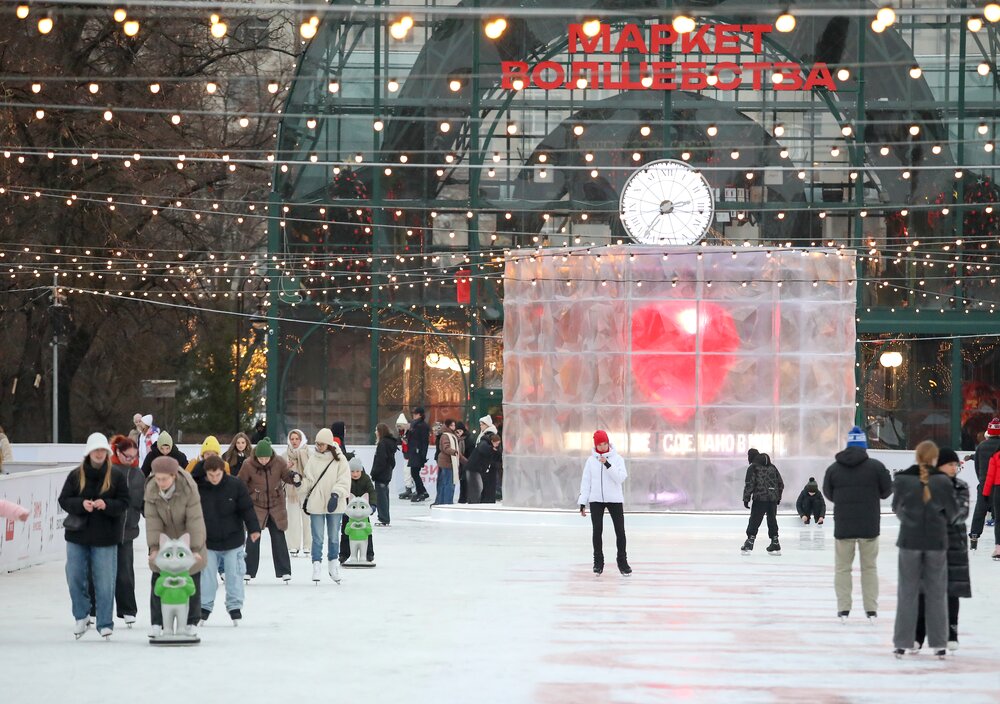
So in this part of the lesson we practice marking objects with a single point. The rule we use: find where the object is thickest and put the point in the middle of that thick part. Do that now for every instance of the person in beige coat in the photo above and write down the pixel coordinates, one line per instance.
(298, 535)
(327, 476)
(173, 507)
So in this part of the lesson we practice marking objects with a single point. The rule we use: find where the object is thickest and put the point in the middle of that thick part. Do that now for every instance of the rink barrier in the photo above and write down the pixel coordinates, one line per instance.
(41, 538)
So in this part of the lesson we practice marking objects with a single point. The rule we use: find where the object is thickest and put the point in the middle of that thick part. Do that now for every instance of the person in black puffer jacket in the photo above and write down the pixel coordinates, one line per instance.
(984, 451)
(487, 453)
(228, 510)
(856, 484)
(810, 504)
(763, 484)
(382, 466)
(924, 501)
(959, 582)
(164, 446)
(95, 497)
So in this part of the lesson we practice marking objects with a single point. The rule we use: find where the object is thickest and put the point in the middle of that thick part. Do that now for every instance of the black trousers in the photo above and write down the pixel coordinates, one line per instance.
(490, 486)
(418, 483)
(983, 506)
(124, 584)
(758, 509)
(461, 486)
(952, 619)
(194, 605)
(617, 513)
(279, 551)
(345, 544)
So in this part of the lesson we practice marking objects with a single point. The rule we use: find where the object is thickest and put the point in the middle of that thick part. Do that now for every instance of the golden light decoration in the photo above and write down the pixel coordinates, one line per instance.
(218, 28)
(36, 87)
(683, 24)
(785, 22)
(154, 88)
(843, 74)
(591, 28)
(244, 122)
(454, 85)
(272, 87)
(22, 11)
(93, 88)
(308, 28)
(45, 25)
(495, 28)
(991, 11)
(131, 28)
(916, 72)
(983, 69)
(886, 16)
(120, 15)
(974, 24)
(211, 87)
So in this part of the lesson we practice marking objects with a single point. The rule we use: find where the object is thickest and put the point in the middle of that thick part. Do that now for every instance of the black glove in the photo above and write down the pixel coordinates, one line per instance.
(296, 479)
(746, 504)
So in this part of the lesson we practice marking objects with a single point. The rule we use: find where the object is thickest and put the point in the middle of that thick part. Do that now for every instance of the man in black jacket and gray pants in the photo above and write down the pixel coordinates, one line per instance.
(226, 505)
(416, 456)
(856, 483)
(984, 451)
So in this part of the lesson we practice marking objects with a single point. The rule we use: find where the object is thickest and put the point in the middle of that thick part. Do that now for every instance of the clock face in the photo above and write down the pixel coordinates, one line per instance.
(666, 202)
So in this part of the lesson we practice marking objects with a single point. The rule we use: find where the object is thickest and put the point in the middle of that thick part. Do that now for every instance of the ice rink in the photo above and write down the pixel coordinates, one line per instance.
(490, 612)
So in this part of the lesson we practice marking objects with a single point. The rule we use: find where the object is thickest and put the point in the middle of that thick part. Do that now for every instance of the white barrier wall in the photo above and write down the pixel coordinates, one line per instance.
(40, 539)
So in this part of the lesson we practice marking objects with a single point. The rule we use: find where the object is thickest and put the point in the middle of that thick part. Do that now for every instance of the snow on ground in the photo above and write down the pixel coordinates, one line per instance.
(476, 612)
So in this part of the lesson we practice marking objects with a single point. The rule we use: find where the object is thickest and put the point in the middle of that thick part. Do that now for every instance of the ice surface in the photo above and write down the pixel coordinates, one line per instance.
(459, 612)
(687, 361)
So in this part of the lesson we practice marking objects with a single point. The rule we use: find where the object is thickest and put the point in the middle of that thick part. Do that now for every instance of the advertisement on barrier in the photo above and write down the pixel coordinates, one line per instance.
(40, 539)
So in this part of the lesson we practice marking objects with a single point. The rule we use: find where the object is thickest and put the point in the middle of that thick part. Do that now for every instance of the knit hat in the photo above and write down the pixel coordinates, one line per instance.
(600, 437)
(96, 441)
(147, 420)
(165, 464)
(993, 429)
(856, 438)
(211, 444)
(946, 455)
(164, 440)
(811, 486)
(263, 448)
(356, 464)
(487, 420)
(402, 420)
(324, 436)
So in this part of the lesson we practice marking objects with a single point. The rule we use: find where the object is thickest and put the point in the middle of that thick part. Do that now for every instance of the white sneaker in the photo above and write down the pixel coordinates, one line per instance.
(156, 632)
(334, 570)
(80, 627)
(317, 571)
(105, 632)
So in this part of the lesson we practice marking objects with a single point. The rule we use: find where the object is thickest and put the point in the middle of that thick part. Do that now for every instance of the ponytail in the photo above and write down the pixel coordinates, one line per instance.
(927, 455)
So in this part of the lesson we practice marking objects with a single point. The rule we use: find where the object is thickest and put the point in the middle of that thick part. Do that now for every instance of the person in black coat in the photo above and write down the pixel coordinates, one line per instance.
(164, 446)
(339, 430)
(228, 510)
(95, 497)
(480, 464)
(810, 504)
(382, 466)
(762, 484)
(419, 440)
(984, 451)
(856, 484)
(464, 450)
(959, 581)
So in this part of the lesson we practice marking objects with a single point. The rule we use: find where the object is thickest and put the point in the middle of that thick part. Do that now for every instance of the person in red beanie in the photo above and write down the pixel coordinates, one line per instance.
(601, 487)
(984, 452)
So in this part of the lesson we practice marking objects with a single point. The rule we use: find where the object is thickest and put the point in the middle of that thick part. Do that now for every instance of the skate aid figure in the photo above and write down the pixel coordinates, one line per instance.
(358, 530)
(174, 586)
(601, 486)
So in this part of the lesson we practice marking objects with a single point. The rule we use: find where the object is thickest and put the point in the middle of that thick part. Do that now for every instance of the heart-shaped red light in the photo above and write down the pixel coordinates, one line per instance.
(665, 363)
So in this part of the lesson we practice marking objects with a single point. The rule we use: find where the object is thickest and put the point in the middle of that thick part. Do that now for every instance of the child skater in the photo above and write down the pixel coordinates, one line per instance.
(810, 503)
(601, 487)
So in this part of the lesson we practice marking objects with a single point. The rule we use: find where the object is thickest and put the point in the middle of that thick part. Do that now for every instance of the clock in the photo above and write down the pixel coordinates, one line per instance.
(666, 202)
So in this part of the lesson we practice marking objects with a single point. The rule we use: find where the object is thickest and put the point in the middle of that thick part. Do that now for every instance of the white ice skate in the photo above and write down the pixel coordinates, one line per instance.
(286, 578)
(317, 572)
(129, 620)
(80, 627)
(952, 645)
(105, 633)
(334, 570)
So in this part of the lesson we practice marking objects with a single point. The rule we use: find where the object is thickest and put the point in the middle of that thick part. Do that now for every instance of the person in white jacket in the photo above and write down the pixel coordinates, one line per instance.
(601, 487)
(326, 475)
(297, 456)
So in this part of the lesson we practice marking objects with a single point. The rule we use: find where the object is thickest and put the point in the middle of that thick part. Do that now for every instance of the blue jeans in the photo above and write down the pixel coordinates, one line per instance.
(331, 521)
(382, 501)
(234, 564)
(102, 564)
(445, 486)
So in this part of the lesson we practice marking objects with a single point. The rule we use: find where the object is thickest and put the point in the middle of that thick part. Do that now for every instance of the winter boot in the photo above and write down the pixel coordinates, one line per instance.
(973, 541)
(748, 545)
(334, 570)
(317, 571)
(774, 548)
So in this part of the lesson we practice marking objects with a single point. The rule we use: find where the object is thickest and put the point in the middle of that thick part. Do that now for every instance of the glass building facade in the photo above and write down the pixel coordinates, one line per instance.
(411, 155)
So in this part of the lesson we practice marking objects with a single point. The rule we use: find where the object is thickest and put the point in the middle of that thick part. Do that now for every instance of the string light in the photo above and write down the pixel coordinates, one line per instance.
(217, 27)
(495, 28)
(45, 25)
(683, 24)
(22, 11)
(785, 22)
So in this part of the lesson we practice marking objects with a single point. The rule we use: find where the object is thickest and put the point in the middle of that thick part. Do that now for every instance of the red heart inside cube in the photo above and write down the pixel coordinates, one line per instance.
(667, 364)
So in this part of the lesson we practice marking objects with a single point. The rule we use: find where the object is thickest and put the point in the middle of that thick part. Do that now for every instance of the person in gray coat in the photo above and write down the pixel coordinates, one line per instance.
(924, 501)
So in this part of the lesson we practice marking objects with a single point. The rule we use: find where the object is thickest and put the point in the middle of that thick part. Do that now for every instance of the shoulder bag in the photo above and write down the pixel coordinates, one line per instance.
(305, 504)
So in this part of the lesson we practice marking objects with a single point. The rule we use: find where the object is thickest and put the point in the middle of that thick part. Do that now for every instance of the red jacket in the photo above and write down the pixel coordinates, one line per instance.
(993, 475)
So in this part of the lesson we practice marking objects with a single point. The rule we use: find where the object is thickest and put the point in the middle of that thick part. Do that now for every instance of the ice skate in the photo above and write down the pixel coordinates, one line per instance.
(624, 568)
(286, 578)
(294, 553)
(990, 522)
(952, 646)
(899, 653)
(973, 541)
(774, 548)
(237, 616)
(334, 570)
(915, 650)
(381, 524)
(80, 627)
(129, 620)
(317, 572)
(191, 630)
(996, 553)
(842, 615)
(156, 631)
(940, 654)
(408, 494)
(748, 545)
(872, 617)
(105, 633)
(246, 579)
(205, 613)
(598, 568)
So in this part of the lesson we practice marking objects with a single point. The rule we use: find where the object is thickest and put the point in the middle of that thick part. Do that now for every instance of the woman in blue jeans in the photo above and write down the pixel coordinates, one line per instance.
(95, 497)
(326, 476)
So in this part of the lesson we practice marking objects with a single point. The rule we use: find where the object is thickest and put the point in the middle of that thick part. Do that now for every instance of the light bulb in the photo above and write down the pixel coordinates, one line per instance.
(843, 74)
(578, 130)
(22, 11)
(378, 125)
(991, 11)
(45, 25)
(406, 21)
(307, 30)
(936, 149)
(877, 27)
(333, 86)
(916, 72)
(36, 87)
(120, 14)
(495, 28)
(108, 115)
(914, 130)
(397, 31)
(886, 15)
(392, 85)
(779, 130)
(591, 28)
(272, 87)
(175, 119)
(683, 24)
(511, 128)
(154, 88)
(974, 24)
(219, 28)
(93, 88)
(211, 87)
(712, 130)
(644, 130)
(846, 130)
(982, 128)
(454, 85)
(983, 69)
(785, 22)
(244, 122)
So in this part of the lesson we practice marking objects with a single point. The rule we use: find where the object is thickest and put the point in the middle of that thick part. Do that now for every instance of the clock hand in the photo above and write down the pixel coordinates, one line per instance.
(651, 223)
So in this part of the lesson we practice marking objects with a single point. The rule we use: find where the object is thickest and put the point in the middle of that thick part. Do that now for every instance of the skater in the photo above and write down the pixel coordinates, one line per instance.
(464, 446)
(239, 449)
(339, 430)
(209, 447)
(493, 477)
(297, 454)
(959, 581)
(125, 455)
(856, 483)
(449, 459)
(382, 466)
(601, 487)
(325, 485)
(984, 453)
(403, 429)
(361, 485)
(479, 465)
(226, 505)
(148, 434)
(164, 446)
(95, 497)
(173, 508)
(924, 501)
(265, 476)
(763, 484)
(810, 504)
(418, 439)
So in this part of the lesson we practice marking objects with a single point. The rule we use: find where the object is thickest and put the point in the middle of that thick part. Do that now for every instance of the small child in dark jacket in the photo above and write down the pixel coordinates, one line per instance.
(361, 484)
(763, 484)
(810, 503)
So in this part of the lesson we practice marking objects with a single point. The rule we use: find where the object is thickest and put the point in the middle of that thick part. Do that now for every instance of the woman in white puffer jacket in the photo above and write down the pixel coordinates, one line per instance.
(601, 487)
(297, 455)
(326, 473)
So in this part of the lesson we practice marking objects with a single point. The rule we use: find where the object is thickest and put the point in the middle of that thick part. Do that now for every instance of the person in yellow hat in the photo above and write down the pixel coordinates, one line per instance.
(210, 448)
